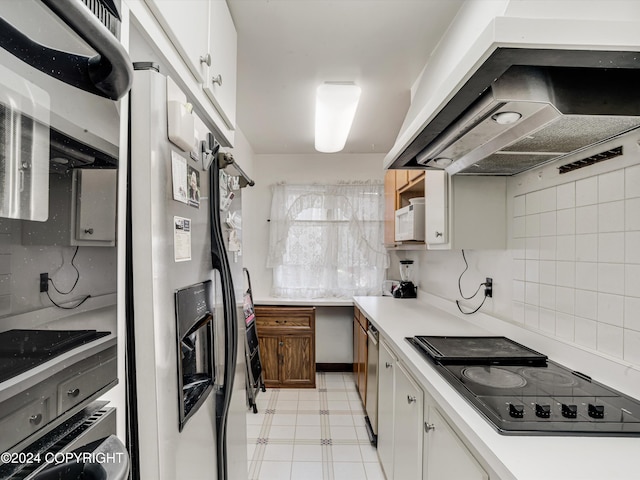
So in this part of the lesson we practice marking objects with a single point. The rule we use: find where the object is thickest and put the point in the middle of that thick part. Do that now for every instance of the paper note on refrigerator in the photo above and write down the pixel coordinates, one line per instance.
(181, 239)
(179, 177)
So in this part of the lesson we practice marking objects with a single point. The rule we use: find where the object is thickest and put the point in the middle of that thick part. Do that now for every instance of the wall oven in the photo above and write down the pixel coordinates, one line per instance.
(62, 70)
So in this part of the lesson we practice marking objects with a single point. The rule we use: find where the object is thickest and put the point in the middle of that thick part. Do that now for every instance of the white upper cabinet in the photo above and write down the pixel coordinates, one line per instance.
(463, 211)
(204, 35)
(220, 84)
(186, 23)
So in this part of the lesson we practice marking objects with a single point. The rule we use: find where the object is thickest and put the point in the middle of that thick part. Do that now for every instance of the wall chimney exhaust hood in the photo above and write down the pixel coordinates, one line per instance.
(525, 107)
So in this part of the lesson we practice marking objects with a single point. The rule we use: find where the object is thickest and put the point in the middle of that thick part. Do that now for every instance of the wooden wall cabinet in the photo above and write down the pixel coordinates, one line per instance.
(360, 353)
(399, 187)
(286, 337)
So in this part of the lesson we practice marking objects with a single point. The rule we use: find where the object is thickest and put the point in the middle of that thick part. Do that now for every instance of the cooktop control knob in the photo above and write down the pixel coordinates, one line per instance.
(516, 411)
(569, 411)
(543, 411)
(596, 411)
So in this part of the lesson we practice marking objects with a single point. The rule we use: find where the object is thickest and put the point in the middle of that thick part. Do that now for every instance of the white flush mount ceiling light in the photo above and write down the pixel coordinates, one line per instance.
(506, 118)
(336, 105)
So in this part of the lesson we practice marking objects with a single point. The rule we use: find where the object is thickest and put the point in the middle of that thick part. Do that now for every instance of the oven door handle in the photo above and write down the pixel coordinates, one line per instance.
(108, 74)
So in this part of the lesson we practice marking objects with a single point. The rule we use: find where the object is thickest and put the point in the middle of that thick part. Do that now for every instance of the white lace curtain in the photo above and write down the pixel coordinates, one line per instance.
(327, 240)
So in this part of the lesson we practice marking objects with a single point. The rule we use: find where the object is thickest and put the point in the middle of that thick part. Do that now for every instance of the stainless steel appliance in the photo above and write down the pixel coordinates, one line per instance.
(371, 420)
(62, 67)
(180, 249)
(520, 392)
(524, 107)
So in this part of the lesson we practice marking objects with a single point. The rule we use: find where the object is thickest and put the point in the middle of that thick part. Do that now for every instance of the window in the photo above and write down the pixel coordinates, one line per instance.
(327, 240)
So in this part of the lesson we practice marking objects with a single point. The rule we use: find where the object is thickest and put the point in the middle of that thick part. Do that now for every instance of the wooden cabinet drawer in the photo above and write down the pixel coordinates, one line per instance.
(284, 317)
(27, 419)
(79, 387)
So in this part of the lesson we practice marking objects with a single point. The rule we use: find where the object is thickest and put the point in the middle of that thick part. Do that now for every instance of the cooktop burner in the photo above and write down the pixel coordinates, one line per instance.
(22, 350)
(523, 396)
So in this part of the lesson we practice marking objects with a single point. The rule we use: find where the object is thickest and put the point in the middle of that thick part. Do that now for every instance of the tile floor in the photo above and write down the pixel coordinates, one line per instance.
(305, 434)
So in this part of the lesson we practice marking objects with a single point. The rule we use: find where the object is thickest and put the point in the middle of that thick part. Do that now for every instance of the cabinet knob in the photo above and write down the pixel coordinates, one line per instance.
(88, 231)
(35, 419)
(206, 59)
(388, 365)
(429, 426)
(438, 234)
(74, 392)
(411, 399)
(281, 344)
(217, 80)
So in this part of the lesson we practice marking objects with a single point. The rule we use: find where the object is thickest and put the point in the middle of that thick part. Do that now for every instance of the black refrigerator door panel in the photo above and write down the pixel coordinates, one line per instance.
(220, 263)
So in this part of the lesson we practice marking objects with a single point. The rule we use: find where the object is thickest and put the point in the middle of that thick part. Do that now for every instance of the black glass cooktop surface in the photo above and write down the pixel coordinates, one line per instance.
(21, 350)
(481, 350)
(520, 398)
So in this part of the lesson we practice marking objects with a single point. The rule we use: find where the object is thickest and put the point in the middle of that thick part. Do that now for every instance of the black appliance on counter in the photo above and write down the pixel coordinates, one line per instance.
(520, 392)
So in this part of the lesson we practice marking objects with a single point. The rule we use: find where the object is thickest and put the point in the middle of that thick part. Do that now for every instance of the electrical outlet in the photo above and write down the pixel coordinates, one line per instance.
(488, 287)
(44, 282)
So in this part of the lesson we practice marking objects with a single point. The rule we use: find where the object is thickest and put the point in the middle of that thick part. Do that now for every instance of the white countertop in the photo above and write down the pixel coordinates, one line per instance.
(304, 302)
(506, 456)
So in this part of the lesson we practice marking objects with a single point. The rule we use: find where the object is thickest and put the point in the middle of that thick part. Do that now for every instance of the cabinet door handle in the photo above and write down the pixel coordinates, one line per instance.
(217, 80)
(206, 59)
(35, 419)
(73, 392)
(428, 427)
(388, 365)
(411, 399)
(438, 234)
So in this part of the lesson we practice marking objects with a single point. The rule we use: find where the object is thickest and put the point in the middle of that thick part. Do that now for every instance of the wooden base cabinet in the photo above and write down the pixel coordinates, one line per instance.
(286, 336)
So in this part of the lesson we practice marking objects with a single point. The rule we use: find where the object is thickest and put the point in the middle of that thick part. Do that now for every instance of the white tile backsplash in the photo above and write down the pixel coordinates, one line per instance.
(632, 247)
(577, 275)
(611, 217)
(611, 186)
(587, 191)
(632, 214)
(632, 181)
(611, 247)
(610, 340)
(587, 219)
(565, 196)
(587, 247)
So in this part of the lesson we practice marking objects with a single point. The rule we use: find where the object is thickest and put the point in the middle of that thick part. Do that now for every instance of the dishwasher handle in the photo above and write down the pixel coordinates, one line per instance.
(373, 336)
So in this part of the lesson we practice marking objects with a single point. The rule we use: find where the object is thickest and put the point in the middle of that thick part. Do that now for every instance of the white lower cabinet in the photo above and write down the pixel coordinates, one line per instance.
(400, 415)
(445, 456)
(386, 387)
(415, 442)
(409, 400)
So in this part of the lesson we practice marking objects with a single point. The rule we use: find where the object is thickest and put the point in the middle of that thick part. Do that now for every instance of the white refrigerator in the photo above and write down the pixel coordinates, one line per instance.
(180, 228)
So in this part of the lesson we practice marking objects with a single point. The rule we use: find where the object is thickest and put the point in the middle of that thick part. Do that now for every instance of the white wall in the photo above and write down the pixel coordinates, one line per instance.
(271, 169)
(572, 269)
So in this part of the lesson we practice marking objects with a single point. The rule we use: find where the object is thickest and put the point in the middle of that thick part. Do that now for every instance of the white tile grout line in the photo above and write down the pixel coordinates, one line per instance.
(323, 388)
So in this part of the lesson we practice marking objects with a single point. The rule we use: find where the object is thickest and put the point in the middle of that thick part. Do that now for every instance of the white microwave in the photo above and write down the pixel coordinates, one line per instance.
(410, 223)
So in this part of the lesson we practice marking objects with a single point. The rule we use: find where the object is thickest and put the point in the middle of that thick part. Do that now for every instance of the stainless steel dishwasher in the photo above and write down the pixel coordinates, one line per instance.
(371, 419)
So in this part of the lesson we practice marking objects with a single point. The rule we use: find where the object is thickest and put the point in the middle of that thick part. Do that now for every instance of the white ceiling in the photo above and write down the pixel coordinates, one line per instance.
(286, 48)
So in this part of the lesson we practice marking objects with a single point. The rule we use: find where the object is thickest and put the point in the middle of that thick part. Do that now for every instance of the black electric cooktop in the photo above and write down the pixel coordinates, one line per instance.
(21, 350)
(520, 392)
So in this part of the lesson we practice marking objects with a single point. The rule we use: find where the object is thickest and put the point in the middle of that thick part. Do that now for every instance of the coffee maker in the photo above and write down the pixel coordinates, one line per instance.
(406, 289)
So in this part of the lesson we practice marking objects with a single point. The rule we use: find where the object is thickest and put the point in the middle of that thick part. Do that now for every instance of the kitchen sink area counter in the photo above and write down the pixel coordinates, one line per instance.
(504, 457)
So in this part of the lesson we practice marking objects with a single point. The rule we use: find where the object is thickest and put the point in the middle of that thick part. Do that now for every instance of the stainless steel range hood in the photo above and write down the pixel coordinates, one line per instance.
(533, 115)
(561, 102)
